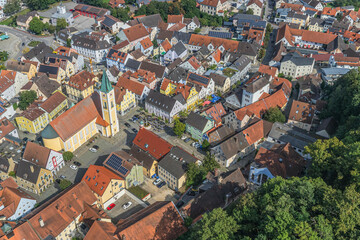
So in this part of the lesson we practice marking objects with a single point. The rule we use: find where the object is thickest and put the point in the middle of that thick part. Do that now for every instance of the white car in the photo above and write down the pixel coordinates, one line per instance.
(92, 150)
(127, 205)
(73, 167)
(157, 181)
(183, 137)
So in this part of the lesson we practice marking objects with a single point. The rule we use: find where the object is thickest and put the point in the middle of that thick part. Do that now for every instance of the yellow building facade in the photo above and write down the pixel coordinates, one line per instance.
(44, 180)
(32, 122)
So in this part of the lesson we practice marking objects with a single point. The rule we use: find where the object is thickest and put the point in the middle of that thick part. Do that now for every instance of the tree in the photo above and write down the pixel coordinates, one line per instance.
(64, 183)
(4, 56)
(39, 4)
(12, 7)
(197, 30)
(154, 42)
(27, 98)
(61, 24)
(250, 11)
(215, 225)
(261, 54)
(336, 163)
(68, 156)
(36, 26)
(209, 163)
(274, 114)
(68, 42)
(194, 174)
(179, 127)
(205, 144)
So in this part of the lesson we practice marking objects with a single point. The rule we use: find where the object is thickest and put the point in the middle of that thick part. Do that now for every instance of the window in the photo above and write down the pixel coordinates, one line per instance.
(75, 139)
(81, 135)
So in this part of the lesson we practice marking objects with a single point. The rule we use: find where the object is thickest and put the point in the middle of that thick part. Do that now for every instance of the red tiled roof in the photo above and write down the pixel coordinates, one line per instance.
(294, 7)
(98, 178)
(133, 86)
(217, 55)
(53, 102)
(6, 127)
(255, 132)
(165, 83)
(7, 79)
(121, 45)
(82, 80)
(152, 143)
(195, 63)
(212, 3)
(36, 154)
(117, 56)
(177, 27)
(257, 2)
(302, 112)
(216, 112)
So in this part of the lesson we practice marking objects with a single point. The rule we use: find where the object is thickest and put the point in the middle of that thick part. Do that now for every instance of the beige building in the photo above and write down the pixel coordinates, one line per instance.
(316, 25)
(256, 6)
(214, 7)
(26, 68)
(222, 83)
(81, 85)
(104, 183)
(295, 66)
(172, 167)
(7, 165)
(301, 115)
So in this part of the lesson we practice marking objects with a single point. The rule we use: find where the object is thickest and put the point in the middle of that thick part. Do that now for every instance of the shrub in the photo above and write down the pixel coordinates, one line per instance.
(68, 156)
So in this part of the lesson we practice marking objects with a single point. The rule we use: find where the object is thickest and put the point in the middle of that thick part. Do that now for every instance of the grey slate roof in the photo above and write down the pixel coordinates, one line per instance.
(161, 101)
(179, 48)
(287, 134)
(328, 124)
(39, 52)
(245, 16)
(218, 79)
(87, 43)
(257, 84)
(155, 68)
(241, 63)
(178, 74)
(176, 161)
(132, 64)
(151, 20)
(232, 145)
(181, 36)
(297, 59)
(45, 85)
(197, 121)
(28, 171)
(334, 71)
(296, 15)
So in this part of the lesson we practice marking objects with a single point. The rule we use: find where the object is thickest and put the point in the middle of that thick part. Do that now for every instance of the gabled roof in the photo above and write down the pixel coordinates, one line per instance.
(175, 18)
(98, 178)
(82, 80)
(133, 86)
(120, 163)
(166, 45)
(197, 121)
(161, 101)
(281, 160)
(302, 112)
(153, 222)
(53, 102)
(256, 2)
(216, 112)
(36, 154)
(46, 85)
(7, 79)
(146, 43)
(200, 40)
(152, 67)
(116, 55)
(152, 143)
(10, 199)
(198, 79)
(135, 32)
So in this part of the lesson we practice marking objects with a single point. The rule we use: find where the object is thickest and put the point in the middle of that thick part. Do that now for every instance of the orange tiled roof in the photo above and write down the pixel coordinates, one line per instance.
(6, 127)
(32, 112)
(330, 11)
(302, 112)
(254, 132)
(79, 116)
(146, 43)
(272, 71)
(195, 63)
(177, 27)
(36, 154)
(152, 143)
(135, 32)
(53, 102)
(166, 45)
(7, 79)
(101, 230)
(216, 112)
(257, 2)
(152, 222)
(82, 80)
(175, 18)
(212, 3)
(10, 198)
(292, 6)
(119, 94)
(200, 40)
(133, 86)
(217, 55)
(98, 178)
(165, 83)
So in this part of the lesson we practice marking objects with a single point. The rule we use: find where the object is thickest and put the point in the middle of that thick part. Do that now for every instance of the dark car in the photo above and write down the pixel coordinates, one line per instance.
(137, 116)
(25, 139)
(191, 193)
(187, 140)
(160, 185)
(77, 163)
(179, 204)
(134, 130)
(58, 181)
(127, 125)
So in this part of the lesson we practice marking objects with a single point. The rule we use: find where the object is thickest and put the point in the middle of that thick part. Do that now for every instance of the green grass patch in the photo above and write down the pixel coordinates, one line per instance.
(33, 43)
(12, 20)
(229, 72)
(138, 191)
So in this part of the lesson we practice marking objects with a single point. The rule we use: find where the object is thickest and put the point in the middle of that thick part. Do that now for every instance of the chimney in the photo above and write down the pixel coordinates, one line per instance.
(216, 172)
(41, 222)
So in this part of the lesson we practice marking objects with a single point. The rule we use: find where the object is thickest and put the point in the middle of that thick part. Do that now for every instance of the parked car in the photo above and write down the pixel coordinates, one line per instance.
(73, 167)
(127, 125)
(77, 164)
(62, 176)
(187, 140)
(161, 184)
(127, 205)
(191, 193)
(157, 181)
(58, 181)
(183, 137)
(134, 130)
(94, 148)
(111, 206)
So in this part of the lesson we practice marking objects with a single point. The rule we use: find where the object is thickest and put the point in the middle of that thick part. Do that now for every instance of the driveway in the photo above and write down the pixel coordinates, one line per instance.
(157, 194)
(118, 212)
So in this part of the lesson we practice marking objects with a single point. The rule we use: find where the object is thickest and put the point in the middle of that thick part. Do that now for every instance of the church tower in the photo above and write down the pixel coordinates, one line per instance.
(108, 105)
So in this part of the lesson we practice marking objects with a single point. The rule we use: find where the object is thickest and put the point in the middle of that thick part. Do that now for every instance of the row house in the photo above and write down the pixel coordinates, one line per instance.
(214, 7)
(11, 83)
(81, 85)
(133, 35)
(117, 58)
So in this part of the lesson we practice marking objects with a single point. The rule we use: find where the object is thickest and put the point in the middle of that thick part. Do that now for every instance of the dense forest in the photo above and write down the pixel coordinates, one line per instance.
(342, 3)
(323, 205)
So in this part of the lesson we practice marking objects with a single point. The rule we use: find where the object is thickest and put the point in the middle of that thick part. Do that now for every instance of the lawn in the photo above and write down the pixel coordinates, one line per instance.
(229, 72)
(33, 43)
(11, 20)
(138, 191)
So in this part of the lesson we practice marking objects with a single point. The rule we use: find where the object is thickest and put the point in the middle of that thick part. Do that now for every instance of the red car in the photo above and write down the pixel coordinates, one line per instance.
(111, 206)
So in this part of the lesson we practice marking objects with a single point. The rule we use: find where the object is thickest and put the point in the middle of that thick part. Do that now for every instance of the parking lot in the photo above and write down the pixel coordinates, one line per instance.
(157, 194)
(118, 212)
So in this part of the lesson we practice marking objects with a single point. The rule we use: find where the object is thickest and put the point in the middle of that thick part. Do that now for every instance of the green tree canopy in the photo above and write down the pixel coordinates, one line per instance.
(27, 98)
(274, 114)
(36, 26)
(179, 127)
(61, 24)
(68, 156)
(12, 7)
(215, 225)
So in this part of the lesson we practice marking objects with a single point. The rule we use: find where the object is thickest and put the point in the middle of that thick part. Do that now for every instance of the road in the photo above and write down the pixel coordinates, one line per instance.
(26, 37)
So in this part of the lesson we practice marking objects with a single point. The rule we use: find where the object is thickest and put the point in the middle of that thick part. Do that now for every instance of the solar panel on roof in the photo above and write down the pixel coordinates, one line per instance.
(108, 22)
(225, 35)
(1, 103)
(123, 170)
(198, 78)
(1, 110)
(114, 162)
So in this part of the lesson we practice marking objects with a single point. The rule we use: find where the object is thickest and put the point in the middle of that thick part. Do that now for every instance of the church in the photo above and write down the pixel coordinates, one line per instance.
(94, 114)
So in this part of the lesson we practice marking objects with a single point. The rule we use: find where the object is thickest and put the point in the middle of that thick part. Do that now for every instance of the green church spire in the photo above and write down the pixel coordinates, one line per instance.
(105, 84)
